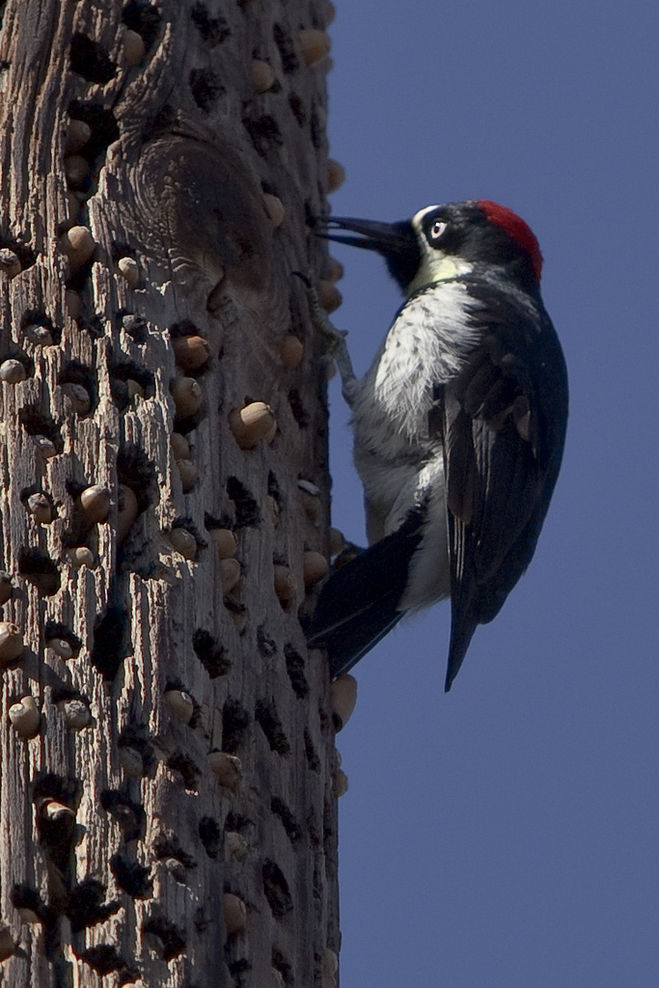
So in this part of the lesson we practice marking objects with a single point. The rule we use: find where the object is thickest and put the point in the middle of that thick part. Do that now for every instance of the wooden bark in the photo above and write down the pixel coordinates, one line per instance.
(170, 817)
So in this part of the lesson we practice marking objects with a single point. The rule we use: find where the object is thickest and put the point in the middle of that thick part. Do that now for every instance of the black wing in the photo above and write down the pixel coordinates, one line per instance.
(503, 425)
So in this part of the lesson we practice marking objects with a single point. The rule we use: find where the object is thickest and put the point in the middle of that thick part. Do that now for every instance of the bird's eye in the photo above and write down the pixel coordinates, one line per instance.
(437, 229)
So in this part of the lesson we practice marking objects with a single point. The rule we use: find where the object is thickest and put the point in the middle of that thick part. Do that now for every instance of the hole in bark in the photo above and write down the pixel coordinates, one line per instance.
(280, 964)
(181, 763)
(36, 422)
(55, 629)
(168, 846)
(275, 888)
(104, 127)
(210, 836)
(205, 87)
(132, 736)
(135, 470)
(46, 501)
(281, 810)
(90, 60)
(266, 715)
(131, 877)
(129, 815)
(86, 906)
(171, 938)
(128, 379)
(297, 408)
(36, 319)
(317, 128)
(313, 761)
(266, 645)
(136, 326)
(246, 507)
(239, 967)
(264, 133)
(25, 897)
(297, 108)
(284, 42)
(211, 654)
(235, 721)
(26, 256)
(142, 17)
(73, 376)
(328, 826)
(214, 30)
(37, 567)
(295, 670)
(111, 641)
(105, 959)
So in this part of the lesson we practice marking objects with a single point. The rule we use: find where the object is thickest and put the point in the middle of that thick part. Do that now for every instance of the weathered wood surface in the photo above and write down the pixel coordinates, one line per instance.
(193, 167)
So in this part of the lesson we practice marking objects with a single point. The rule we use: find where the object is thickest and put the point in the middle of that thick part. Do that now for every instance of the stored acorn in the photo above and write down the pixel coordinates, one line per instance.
(227, 768)
(275, 209)
(134, 47)
(336, 175)
(187, 395)
(76, 397)
(12, 371)
(314, 567)
(291, 351)
(263, 75)
(76, 169)
(77, 714)
(129, 269)
(181, 704)
(38, 334)
(10, 262)
(79, 245)
(189, 474)
(61, 647)
(180, 446)
(230, 574)
(235, 914)
(77, 135)
(343, 697)
(329, 295)
(25, 718)
(11, 640)
(235, 845)
(183, 541)
(284, 584)
(80, 555)
(315, 45)
(39, 506)
(131, 762)
(96, 502)
(191, 352)
(45, 447)
(252, 424)
(225, 541)
(127, 509)
(7, 945)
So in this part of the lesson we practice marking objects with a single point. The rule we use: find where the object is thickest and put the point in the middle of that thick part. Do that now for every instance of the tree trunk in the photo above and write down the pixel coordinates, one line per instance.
(167, 744)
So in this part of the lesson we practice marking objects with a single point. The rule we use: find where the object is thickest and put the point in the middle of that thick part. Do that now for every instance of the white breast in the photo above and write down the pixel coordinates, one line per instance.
(424, 347)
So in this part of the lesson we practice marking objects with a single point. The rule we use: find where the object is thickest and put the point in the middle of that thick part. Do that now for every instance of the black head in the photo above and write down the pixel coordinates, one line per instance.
(444, 242)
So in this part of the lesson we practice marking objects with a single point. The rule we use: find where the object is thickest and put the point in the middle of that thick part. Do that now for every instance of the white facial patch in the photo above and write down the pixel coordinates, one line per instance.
(435, 264)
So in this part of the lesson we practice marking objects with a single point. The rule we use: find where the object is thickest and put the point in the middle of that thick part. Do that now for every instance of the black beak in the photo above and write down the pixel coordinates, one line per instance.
(396, 242)
(388, 239)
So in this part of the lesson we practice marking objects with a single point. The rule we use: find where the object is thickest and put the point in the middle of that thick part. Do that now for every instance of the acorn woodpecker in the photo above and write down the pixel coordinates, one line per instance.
(459, 427)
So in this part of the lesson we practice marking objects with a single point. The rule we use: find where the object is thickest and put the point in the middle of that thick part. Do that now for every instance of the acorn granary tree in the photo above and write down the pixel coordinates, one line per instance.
(169, 777)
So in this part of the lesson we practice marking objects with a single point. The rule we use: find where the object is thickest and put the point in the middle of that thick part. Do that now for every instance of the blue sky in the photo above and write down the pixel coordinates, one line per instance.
(506, 835)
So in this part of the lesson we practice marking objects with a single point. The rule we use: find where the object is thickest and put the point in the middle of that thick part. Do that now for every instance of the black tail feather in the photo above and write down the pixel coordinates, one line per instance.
(358, 604)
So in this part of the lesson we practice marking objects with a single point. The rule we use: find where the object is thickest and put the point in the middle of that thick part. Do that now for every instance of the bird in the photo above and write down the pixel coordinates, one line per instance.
(459, 427)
